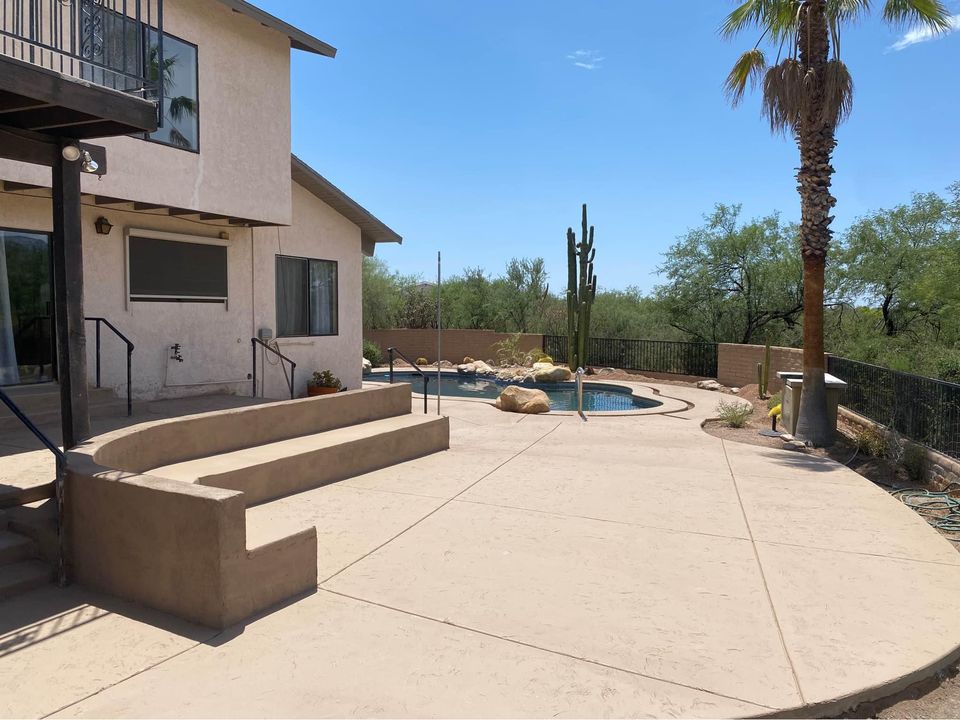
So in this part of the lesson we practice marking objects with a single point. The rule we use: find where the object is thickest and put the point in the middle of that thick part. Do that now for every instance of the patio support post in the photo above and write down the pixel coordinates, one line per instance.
(67, 256)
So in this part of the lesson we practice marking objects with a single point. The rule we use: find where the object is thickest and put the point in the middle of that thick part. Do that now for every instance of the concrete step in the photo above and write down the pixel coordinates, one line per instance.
(281, 468)
(38, 523)
(15, 547)
(22, 577)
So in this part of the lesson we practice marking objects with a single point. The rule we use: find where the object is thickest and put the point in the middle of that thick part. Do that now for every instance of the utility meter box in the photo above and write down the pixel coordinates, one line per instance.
(265, 334)
(793, 388)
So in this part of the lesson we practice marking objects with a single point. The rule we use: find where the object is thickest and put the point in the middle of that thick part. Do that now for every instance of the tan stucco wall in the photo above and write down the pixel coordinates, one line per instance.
(737, 364)
(243, 167)
(321, 233)
(215, 338)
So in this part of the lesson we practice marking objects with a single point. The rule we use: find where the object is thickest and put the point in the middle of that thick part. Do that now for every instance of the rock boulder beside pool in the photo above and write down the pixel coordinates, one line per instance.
(477, 367)
(523, 400)
(546, 372)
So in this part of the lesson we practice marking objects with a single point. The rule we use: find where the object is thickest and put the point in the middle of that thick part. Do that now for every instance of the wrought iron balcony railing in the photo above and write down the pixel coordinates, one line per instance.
(111, 43)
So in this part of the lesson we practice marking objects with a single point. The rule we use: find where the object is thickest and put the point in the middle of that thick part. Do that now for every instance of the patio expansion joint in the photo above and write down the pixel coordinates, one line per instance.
(763, 576)
(551, 651)
(133, 675)
(644, 526)
(439, 507)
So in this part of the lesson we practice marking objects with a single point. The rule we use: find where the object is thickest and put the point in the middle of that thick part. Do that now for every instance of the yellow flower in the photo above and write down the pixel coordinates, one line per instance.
(774, 411)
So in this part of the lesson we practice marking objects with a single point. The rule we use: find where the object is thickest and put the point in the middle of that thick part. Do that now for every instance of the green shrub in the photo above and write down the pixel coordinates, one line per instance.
(914, 460)
(373, 353)
(734, 414)
(871, 441)
(774, 400)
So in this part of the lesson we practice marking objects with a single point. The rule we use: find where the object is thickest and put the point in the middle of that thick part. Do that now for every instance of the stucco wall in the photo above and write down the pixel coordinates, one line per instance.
(321, 233)
(243, 167)
(737, 364)
(215, 338)
(454, 344)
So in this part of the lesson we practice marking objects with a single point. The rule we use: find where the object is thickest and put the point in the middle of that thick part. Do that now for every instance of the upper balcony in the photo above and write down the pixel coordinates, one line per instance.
(81, 68)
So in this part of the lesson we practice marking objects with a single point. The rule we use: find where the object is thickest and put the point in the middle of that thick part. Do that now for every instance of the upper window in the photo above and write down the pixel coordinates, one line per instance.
(125, 49)
(177, 271)
(306, 297)
(181, 96)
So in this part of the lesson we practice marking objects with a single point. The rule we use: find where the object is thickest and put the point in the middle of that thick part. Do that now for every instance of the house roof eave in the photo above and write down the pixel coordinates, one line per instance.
(299, 40)
(372, 230)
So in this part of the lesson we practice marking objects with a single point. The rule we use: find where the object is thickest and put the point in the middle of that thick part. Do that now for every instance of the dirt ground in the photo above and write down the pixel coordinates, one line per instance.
(938, 697)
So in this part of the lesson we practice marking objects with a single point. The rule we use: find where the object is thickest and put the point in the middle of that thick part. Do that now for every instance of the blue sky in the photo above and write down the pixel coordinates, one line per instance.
(479, 128)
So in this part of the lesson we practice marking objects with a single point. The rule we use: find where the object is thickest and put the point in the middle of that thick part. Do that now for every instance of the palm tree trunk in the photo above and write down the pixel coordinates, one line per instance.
(816, 141)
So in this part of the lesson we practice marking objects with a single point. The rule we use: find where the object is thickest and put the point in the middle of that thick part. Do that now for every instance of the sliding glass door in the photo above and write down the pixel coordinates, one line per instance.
(26, 340)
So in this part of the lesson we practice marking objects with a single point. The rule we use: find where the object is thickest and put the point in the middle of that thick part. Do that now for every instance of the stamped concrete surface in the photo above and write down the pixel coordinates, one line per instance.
(543, 566)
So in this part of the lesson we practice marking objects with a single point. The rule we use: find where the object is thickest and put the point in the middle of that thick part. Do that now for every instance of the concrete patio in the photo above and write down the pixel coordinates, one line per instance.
(543, 566)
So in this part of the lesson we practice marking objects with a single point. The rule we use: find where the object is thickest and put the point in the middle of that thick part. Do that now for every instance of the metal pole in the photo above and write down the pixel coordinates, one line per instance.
(253, 346)
(390, 353)
(438, 332)
(98, 352)
(129, 381)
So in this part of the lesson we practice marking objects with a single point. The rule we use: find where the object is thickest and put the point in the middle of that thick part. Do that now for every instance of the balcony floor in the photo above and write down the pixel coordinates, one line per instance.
(40, 100)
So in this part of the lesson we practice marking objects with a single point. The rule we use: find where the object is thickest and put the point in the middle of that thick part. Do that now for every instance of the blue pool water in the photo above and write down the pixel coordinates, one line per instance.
(563, 396)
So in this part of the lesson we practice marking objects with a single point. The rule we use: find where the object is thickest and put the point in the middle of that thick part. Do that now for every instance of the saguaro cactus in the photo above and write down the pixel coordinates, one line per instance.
(581, 291)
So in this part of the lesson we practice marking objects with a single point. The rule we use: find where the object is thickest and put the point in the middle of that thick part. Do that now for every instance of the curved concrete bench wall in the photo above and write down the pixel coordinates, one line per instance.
(181, 547)
(165, 442)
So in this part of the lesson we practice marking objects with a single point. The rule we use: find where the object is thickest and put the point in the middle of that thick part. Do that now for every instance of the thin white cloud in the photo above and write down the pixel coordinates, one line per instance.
(586, 59)
(922, 33)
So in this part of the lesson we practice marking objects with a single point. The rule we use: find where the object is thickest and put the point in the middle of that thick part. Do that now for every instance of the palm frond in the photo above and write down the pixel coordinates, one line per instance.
(847, 10)
(748, 70)
(784, 95)
(930, 13)
(776, 17)
(837, 101)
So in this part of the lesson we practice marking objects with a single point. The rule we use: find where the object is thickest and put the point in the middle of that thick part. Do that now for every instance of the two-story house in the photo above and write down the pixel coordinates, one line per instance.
(201, 235)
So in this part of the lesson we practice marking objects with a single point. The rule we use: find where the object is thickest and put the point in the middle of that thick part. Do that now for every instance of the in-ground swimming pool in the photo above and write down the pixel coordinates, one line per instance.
(563, 396)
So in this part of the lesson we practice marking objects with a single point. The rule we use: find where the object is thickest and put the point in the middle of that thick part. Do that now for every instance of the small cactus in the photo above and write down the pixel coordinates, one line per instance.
(422, 361)
(763, 373)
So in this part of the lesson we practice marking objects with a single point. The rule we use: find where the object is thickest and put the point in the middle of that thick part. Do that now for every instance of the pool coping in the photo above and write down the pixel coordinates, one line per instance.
(668, 405)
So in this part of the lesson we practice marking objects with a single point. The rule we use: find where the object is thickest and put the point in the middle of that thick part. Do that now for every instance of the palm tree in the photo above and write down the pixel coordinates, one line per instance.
(808, 92)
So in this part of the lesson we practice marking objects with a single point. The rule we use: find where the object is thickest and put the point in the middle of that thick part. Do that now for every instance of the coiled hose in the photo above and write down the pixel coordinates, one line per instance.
(938, 508)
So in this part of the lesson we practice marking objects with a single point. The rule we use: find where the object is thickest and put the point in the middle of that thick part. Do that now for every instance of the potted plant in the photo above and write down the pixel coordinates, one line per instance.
(323, 382)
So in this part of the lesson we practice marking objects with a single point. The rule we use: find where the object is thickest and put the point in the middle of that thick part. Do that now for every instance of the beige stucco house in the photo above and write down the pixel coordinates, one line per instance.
(218, 234)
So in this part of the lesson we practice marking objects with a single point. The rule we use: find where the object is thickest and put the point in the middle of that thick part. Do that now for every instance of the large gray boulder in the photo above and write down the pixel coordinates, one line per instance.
(523, 400)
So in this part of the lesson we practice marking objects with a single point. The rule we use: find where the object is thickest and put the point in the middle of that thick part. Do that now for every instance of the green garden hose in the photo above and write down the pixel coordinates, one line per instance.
(938, 508)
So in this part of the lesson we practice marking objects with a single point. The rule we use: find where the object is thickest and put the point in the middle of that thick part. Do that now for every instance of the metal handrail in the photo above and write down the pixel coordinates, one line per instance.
(103, 321)
(421, 373)
(61, 466)
(123, 338)
(293, 366)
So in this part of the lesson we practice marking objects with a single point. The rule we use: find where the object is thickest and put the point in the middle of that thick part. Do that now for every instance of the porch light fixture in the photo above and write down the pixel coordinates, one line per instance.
(71, 153)
(89, 164)
(103, 226)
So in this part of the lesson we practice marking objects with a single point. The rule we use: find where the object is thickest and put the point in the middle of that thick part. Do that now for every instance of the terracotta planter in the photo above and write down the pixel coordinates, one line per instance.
(317, 390)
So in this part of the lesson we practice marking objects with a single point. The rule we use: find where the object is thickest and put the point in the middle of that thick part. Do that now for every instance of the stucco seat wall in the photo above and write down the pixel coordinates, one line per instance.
(177, 547)
(165, 442)
(180, 546)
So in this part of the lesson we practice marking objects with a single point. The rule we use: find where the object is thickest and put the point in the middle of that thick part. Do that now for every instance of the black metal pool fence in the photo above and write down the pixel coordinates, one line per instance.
(663, 356)
(922, 409)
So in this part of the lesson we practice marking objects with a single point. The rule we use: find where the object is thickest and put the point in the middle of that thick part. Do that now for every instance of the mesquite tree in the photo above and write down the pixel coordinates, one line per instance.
(581, 292)
(808, 93)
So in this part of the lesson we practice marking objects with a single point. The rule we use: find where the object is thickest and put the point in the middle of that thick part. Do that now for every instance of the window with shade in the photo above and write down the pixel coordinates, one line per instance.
(306, 297)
